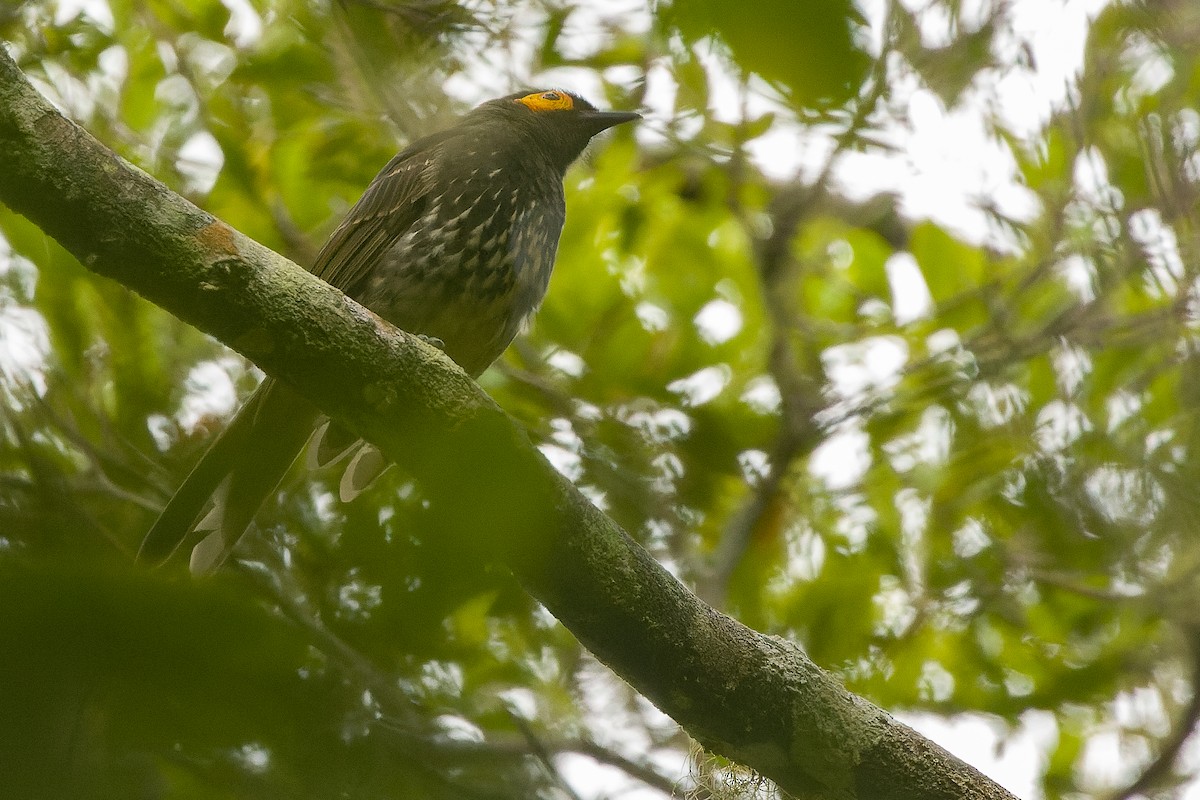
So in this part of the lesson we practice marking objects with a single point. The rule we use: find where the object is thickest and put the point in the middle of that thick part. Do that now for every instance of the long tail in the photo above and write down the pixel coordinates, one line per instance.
(237, 473)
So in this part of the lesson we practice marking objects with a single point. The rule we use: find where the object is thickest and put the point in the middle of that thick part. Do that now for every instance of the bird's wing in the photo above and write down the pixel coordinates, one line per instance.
(250, 456)
(395, 200)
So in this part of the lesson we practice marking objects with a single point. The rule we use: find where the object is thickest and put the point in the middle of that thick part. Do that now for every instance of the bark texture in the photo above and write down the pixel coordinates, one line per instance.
(754, 698)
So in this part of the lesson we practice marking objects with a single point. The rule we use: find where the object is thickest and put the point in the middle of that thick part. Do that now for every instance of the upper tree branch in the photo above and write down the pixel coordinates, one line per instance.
(753, 698)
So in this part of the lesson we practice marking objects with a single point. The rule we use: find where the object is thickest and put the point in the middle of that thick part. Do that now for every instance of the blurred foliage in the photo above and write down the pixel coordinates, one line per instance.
(805, 48)
(978, 500)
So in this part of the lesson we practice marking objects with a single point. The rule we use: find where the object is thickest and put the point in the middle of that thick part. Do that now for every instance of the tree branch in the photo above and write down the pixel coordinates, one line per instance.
(1158, 773)
(753, 698)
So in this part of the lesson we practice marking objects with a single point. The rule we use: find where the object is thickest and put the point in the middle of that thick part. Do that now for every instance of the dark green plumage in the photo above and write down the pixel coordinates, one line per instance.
(454, 239)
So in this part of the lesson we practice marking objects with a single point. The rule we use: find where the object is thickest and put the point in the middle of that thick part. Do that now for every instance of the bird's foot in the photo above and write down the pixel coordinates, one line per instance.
(433, 340)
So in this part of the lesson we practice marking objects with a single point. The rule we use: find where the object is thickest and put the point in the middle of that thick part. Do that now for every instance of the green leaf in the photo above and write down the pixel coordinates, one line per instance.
(808, 48)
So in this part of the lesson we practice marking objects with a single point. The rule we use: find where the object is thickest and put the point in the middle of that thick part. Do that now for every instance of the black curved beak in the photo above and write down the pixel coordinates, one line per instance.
(597, 121)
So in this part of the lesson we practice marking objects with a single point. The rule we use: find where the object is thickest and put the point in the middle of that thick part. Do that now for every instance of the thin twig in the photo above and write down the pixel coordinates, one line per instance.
(1161, 769)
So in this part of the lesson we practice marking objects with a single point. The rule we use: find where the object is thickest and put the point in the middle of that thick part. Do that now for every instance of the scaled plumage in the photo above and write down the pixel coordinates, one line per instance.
(454, 239)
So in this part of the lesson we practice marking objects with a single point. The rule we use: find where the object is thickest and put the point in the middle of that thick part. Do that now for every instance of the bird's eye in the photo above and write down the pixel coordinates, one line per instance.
(547, 101)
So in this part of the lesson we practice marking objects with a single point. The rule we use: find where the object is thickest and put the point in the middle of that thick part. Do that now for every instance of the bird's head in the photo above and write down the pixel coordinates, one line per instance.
(559, 121)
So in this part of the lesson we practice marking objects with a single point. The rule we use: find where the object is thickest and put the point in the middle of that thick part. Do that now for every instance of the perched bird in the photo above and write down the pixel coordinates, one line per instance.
(453, 240)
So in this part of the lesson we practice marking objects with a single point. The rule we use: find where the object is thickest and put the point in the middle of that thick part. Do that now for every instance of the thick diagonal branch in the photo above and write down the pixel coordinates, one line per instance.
(753, 698)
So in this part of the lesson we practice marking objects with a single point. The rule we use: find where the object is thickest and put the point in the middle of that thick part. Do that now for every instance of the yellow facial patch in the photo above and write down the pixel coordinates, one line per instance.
(547, 101)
